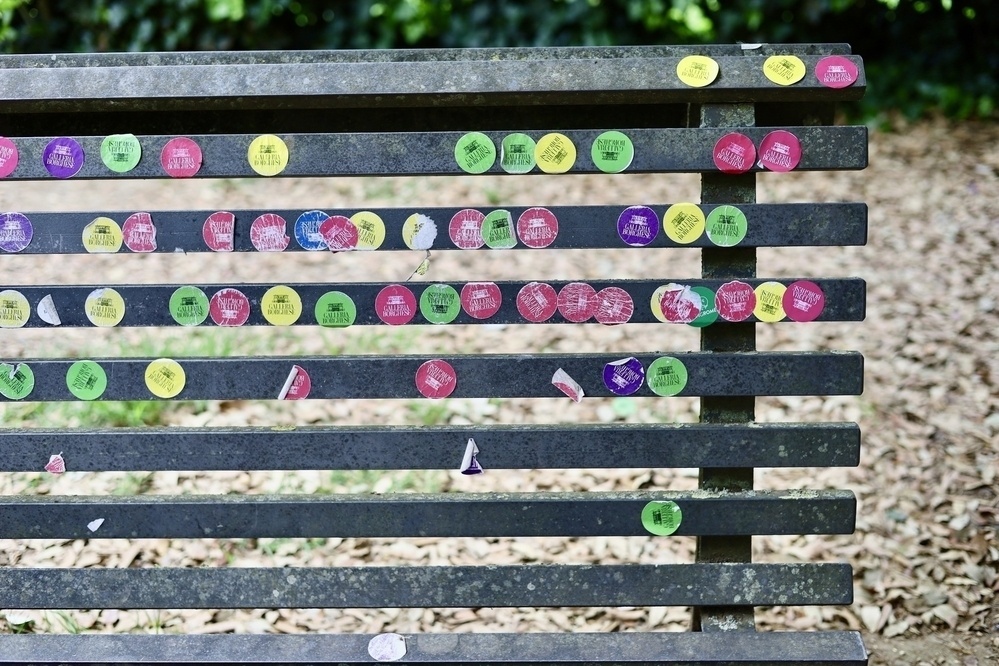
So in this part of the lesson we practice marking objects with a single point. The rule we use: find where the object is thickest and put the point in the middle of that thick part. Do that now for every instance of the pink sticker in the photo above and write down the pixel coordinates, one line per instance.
(537, 302)
(8, 157)
(339, 233)
(803, 301)
(139, 233)
(735, 301)
(229, 307)
(780, 151)
(481, 300)
(614, 306)
(577, 302)
(218, 231)
(395, 305)
(269, 233)
(297, 385)
(680, 304)
(836, 72)
(566, 384)
(465, 229)
(436, 379)
(181, 157)
(56, 465)
(734, 153)
(537, 227)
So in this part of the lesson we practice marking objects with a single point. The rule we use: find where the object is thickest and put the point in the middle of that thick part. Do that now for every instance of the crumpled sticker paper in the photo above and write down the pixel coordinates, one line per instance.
(563, 382)
(56, 465)
(469, 465)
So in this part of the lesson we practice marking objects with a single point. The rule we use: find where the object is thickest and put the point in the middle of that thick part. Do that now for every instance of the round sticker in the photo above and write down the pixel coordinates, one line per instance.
(836, 72)
(395, 305)
(165, 378)
(339, 233)
(614, 306)
(770, 302)
(436, 379)
(803, 301)
(387, 647)
(465, 229)
(780, 151)
(666, 376)
(661, 518)
(726, 226)
(335, 309)
(14, 309)
(475, 152)
(537, 227)
(8, 157)
(537, 302)
(612, 152)
(16, 381)
(735, 301)
(63, 157)
(577, 302)
(555, 153)
(269, 232)
(638, 225)
(679, 304)
(281, 305)
(297, 385)
(734, 153)
(624, 377)
(683, 223)
(105, 307)
(16, 232)
(181, 157)
(497, 230)
(481, 300)
(219, 231)
(121, 152)
(419, 232)
(189, 306)
(86, 380)
(697, 71)
(47, 312)
(370, 230)
(307, 230)
(268, 155)
(784, 70)
(517, 153)
(139, 233)
(229, 307)
(440, 303)
(708, 312)
(102, 235)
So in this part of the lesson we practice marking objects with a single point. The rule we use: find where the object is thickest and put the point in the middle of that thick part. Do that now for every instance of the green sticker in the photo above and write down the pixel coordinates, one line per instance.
(475, 152)
(666, 376)
(440, 303)
(726, 226)
(709, 313)
(121, 152)
(16, 381)
(335, 309)
(497, 230)
(612, 152)
(189, 306)
(662, 518)
(86, 380)
(517, 153)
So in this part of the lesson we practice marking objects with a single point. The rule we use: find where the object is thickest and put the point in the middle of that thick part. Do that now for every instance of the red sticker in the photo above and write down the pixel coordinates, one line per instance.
(481, 300)
(735, 301)
(577, 302)
(780, 151)
(269, 233)
(229, 307)
(339, 233)
(734, 153)
(139, 233)
(219, 230)
(436, 379)
(56, 465)
(680, 304)
(297, 385)
(803, 301)
(537, 227)
(614, 306)
(465, 229)
(395, 305)
(181, 157)
(537, 302)
(836, 72)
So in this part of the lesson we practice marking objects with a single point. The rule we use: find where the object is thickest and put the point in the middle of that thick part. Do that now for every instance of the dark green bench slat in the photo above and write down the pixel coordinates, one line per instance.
(478, 376)
(548, 585)
(435, 447)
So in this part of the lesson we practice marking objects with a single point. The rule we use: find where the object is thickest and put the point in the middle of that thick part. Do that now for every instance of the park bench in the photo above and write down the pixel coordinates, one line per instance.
(725, 112)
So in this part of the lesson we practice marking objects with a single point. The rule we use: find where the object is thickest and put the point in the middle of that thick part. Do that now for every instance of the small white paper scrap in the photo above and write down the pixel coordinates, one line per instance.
(95, 525)
(426, 233)
(469, 465)
(288, 382)
(18, 618)
(567, 385)
(387, 647)
(47, 311)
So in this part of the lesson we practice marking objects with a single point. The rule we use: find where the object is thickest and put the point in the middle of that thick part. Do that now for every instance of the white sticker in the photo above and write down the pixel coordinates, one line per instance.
(563, 382)
(288, 382)
(424, 233)
(47, 311)
(469, 465)
(95, 525)
(387, 647)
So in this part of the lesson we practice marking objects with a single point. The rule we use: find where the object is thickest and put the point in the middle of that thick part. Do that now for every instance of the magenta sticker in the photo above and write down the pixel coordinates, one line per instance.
(780, 151)
(16, 232)
(8, 157)
(436, 379)
(624, 377)
(614, 306)
(339, 233)
(219, 231)
(297, 384)
(56, 464)
(577, 302)
(734, 153)
(836, 72)
(63, 157)
(566, 384)
(680, 304)
(638, 225)
(181, 157)
(537, 302)
(229, 307)
(735, 301)
(269, 233)
(395, 305)
(465, 229)
(537, 227)
(481, 300)
(803, 301)
(139, 233)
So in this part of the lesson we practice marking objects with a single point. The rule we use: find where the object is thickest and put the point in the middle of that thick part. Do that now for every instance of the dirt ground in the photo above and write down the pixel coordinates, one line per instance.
(925, 554)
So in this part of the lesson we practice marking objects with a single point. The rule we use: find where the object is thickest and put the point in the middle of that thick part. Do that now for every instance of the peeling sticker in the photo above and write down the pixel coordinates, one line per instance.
(307, 230)
(63, 157)
(836, 72)
(770, 302)
(121, 152)
(105, 307)
(297, 386)
(335, 309)
(165, 378)
(15, 310)
(189, 306)
(16, 381)
(481, 300)
(697, 71)
(339, 233)
(181, 157)
(8, 157)
(661, 518)
(95, 525)
(555, 153)
(803, 301)
(566, 384)
(229, 307)
(86, 380)
(537, 302)
(577, 302)
(734, 153)
(614, 306)
(422, 269)
(387, 647)
(517, 153)
(436, 379)
(440, 304)
(475, 153)
(708, 312)
(612, 152)
(419, 232)
(537, 227)
(735, 301)
(638, 225)
(370, 230)
(625, 376)
(780, 151)
(656, 303)
(47, 311)
(16, 232)
(102, 236)
(667, 376)
(469, 465)
(784, 70)
(497, 230)
(684, 223)
(726, 226)
(56, 465)
(679, 304)
(267, 155)
(281, 305)
(219, 231)
(395, 305)
(139, 233)
(465, 229)
(269, 233)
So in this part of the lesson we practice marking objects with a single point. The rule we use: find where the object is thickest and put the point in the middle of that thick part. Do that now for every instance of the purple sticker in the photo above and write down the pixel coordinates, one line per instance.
(638, 225)
(63, 157)
(8, 157)
(15, 232)
(624, 377)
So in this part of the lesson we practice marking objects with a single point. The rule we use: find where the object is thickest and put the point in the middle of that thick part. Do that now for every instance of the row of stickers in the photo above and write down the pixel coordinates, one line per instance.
(698, 71)
(397, 305)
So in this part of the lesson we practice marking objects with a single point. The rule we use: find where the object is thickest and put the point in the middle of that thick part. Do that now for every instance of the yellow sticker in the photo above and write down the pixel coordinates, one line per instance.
(268, 155)
(370, 230)
(105, 307)
(14, 309)
(103, 235)
(684, 223)
(697, 71)
(165, 378)
(282, 306)
(555, 153)
(770, 302)
(784, 70)
(657, 305)
(419, 232)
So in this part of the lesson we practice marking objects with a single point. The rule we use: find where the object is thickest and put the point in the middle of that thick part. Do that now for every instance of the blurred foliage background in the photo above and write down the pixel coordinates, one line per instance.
(922, 56)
